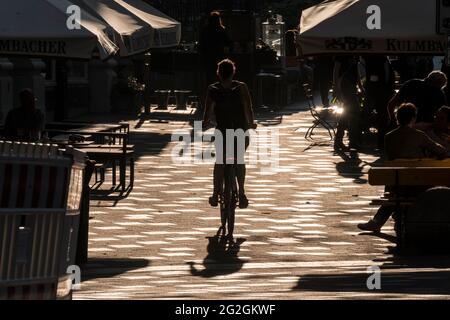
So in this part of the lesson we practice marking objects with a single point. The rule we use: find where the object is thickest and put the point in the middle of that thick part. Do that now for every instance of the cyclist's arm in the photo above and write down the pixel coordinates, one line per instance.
(248, 109)
(209, 109)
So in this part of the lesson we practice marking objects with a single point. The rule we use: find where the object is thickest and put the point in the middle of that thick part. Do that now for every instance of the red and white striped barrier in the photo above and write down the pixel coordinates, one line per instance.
(40, 192)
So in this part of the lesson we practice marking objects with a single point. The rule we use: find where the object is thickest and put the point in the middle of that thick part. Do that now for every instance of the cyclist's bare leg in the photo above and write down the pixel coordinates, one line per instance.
(240, 174)
(218, 177)
(218, 183)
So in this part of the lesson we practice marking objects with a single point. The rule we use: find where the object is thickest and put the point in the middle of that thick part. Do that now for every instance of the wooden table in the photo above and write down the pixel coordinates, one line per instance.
(87, 128)
(115, 150)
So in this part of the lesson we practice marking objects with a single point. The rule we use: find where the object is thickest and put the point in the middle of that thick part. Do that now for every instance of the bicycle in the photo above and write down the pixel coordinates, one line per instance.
(228, 199)
(228, 195)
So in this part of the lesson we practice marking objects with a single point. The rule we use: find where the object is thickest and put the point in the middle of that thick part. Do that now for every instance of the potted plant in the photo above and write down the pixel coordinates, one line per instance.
(129, 94)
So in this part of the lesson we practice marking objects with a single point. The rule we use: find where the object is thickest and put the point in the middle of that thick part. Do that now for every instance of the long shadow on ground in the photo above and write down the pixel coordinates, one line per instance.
(98, 268)
(149, 143)
(425, 275)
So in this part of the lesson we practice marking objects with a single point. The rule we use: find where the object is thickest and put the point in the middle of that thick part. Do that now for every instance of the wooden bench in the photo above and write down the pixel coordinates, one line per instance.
(409, 183)
(404, 176)
(409, 173)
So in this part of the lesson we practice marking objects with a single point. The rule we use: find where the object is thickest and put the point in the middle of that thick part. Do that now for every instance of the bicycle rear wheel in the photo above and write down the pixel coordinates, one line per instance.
(223, 213)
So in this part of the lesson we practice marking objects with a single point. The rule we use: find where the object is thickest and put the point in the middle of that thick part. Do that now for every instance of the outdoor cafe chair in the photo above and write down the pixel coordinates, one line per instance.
(320, 120)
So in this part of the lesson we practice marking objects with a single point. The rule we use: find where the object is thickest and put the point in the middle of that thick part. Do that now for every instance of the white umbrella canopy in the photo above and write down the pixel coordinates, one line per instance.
(39, 28)
(132, 35)
(340, 26)
(167, 31)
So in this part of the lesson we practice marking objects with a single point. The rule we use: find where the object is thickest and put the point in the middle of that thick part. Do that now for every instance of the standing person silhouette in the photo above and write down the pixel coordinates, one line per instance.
(325, 67)
(346, 79)
(379, 88)
(214, 46)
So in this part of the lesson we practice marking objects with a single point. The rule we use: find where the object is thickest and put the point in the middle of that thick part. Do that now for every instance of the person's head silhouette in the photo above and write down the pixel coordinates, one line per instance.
(226, 70)
(215, 20)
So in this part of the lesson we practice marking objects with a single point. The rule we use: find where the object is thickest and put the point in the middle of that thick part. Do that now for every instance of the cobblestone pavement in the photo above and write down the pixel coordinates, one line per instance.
(298, 238)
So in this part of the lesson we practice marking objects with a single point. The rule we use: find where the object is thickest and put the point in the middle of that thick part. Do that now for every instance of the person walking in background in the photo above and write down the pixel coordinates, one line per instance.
(214, 46)
(346, 80)
(25, 123)
(306, 71)
(324, 68)
(379, 89)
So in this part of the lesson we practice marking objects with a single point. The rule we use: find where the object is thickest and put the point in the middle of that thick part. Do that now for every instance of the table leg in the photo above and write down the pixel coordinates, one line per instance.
(83, 230)
(131, 172)
(123, 171)
(114, 172)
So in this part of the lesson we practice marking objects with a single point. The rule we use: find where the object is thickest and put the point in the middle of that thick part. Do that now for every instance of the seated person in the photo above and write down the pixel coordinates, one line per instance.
(25, 123)
(439, 130)
(405, 142)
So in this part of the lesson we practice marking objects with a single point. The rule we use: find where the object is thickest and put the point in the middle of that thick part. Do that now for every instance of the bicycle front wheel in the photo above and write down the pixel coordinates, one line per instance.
(230, 197)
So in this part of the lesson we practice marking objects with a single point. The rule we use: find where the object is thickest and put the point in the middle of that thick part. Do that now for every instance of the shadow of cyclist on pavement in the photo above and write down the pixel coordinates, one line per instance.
(222, 258)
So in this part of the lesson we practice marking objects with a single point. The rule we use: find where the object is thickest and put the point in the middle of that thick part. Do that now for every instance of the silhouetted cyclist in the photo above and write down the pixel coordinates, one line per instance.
(229, 101)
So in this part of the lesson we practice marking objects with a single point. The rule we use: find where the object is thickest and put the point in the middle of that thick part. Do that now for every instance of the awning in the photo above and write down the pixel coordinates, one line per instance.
(132, 35)
(340, 26)
(39, 28)
(167, 31)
